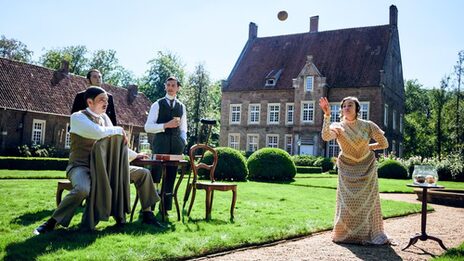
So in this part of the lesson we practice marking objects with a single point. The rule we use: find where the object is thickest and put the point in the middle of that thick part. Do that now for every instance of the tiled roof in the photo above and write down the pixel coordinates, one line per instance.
(28, 87)
(347, 58)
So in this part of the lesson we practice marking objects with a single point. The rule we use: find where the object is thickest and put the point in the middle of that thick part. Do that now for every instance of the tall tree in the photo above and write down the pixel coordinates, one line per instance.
(196, 99)
(439, 97)
(161, 67)
(75, 55)
(105, 61)
(14, 50)
(458, 69)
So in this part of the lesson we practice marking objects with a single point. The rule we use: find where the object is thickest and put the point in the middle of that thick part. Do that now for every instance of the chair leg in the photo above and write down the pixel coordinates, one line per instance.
(232, 207)
(135, 205)
(211, 201)
(186, 195)
(194, 192)
(208, 204)
(59, 193)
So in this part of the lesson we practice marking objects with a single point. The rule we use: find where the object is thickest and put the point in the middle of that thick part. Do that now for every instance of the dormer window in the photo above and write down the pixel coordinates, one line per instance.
(272, 77)
(309, 83)
(270, 82)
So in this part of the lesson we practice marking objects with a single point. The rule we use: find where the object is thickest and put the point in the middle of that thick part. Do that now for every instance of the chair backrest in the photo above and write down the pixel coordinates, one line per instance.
(196, 165)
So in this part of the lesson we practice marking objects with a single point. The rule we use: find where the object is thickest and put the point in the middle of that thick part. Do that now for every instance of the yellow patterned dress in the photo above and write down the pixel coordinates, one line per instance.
(358, 217)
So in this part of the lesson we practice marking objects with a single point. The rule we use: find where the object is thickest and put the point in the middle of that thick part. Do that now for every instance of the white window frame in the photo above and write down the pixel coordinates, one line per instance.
(41, 123)
(252, 112)
(309, 83)
(289, 119)
(67, 138)
(255, 144)
(401, 123)
(335, 112)
(364, 112)
(234, 141)
(143, 138)
(233, 112)
(394, 119)
(385, 115)
(275, 140)
(332, 149)
(288, 139)
(310, 112)
(274, 113)
(393, 147)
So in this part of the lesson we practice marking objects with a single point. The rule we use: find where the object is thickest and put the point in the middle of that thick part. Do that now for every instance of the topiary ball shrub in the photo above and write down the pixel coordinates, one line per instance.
(392, 169)
(326, 164)
(271, 164)
(231, 165)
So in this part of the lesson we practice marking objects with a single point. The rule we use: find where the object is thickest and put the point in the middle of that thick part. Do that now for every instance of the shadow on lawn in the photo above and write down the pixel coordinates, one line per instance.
(31, 218)
(70, 239)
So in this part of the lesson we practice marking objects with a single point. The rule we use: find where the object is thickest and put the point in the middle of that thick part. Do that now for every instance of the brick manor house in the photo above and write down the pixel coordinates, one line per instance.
(270, 98)
(35, 106)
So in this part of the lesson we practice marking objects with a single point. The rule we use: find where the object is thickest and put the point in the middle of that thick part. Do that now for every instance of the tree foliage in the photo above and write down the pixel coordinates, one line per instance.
(75, 55)
(14, 50)
(161, 67)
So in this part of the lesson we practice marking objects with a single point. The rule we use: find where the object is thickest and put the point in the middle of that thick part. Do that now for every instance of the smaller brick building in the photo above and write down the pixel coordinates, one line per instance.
(270, 98)
(35, 105)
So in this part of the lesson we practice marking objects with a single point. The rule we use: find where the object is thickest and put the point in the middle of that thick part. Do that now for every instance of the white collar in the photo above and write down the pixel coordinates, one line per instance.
(169, 97)
(93, 113)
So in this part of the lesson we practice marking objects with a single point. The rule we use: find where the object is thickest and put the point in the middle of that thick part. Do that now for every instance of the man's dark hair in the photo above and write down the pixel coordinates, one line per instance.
(89, 74)
(173, 78)
(93, 92)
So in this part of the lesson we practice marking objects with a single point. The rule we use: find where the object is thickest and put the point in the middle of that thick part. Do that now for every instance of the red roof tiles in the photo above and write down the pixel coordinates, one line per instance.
(28, 87)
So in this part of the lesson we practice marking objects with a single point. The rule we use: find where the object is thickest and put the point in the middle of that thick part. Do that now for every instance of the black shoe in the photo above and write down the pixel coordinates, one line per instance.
(149, 219)
(46, 227)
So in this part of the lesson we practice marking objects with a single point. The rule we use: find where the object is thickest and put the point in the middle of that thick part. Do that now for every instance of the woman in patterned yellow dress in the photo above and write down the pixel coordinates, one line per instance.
(358, 217)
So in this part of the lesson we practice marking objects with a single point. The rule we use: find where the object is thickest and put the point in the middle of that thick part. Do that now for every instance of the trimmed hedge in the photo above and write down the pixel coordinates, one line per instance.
(271, 164)
(304, 160)
(231, 165)
(306, 169)
(33, 163)
(392, 169)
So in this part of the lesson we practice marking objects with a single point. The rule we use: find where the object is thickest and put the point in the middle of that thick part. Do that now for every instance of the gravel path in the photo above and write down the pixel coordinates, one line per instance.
(442, 223)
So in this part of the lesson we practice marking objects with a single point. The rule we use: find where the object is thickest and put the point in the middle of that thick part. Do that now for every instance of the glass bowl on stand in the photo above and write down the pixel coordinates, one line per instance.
(425, 175)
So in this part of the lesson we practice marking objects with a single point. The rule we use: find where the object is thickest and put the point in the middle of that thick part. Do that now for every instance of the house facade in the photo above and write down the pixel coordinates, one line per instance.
(35, 106)
(270, 98)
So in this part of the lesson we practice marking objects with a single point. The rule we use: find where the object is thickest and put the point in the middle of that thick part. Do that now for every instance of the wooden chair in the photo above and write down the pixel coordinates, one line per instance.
(211, 185)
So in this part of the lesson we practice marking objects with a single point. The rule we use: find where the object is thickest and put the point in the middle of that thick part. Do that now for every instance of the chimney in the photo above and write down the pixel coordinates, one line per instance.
(252, 31)
(132, 92)
(313, 24)
(64, 67)
(393, 15)
(60, 74)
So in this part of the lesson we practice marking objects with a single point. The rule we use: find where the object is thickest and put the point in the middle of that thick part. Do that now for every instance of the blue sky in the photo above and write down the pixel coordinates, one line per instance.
(214, 32)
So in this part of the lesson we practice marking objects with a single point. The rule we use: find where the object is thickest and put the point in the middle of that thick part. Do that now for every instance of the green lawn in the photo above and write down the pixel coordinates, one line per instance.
(385, 185)
(265, 212)
(456, 253)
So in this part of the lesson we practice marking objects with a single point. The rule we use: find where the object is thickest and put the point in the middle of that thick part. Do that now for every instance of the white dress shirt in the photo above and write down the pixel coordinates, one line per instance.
(81, 125)
(152, 127)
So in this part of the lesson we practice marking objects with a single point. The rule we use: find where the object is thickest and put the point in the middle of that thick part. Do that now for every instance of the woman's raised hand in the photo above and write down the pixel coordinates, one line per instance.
(324, 104)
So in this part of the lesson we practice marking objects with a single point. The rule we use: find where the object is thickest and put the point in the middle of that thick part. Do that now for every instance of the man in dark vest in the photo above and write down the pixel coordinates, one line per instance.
(167, 119)
(87, 127)
(95, 79)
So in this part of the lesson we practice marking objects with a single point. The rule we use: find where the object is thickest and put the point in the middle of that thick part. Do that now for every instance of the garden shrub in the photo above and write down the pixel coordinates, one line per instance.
(304, 160)
(392, 169)
(271, 164)
(33, 163)
(325, 163)
(308, 169)
(231, 165)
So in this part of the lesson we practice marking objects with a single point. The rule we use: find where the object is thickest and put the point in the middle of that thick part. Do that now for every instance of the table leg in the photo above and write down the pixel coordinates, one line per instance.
(163, 193)
(182, 173)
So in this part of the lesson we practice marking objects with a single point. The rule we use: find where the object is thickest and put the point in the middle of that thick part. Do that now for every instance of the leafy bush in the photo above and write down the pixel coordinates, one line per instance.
(325, 163)
(33, 163)
(271, 164)
(231, 165)
(39, 151)
(304, 160)
(392, 169)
